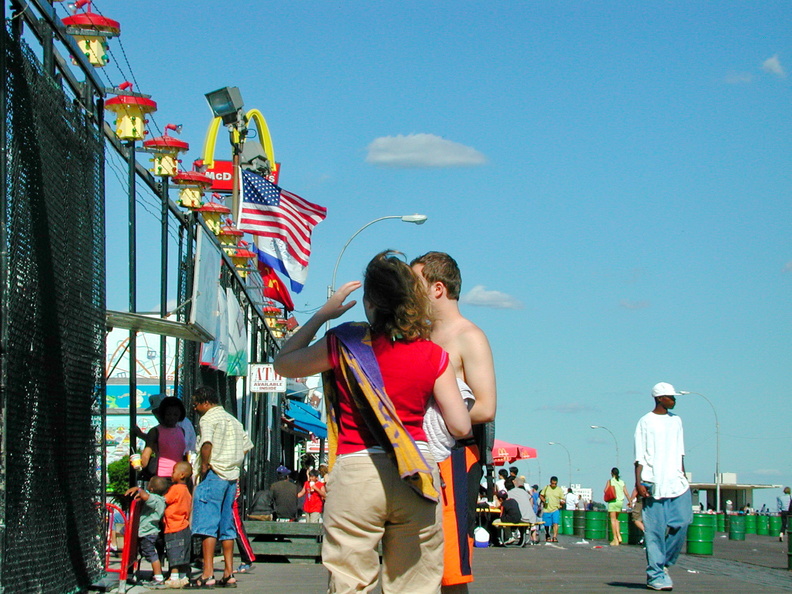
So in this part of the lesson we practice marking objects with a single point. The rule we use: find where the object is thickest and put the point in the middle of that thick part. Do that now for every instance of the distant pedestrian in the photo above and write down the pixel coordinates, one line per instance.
(660, 480)
(570, 500)
(615, 506)
(284, 496)
(551, 497)
(784, 505)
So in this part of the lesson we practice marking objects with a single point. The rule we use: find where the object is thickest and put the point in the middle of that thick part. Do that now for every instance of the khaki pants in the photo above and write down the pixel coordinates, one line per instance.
(368, 502)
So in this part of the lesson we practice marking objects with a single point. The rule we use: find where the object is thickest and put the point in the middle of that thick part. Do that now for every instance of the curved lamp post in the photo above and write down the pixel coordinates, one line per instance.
(717, 449)
(417, 219)
(615, 441)
(569, 459)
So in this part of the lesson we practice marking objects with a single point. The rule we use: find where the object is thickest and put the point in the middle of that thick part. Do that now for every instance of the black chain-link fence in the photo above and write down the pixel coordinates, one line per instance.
(54, 327)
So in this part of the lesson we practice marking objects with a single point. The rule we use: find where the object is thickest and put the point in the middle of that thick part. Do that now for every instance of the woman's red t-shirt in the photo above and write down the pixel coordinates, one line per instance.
(409, 370)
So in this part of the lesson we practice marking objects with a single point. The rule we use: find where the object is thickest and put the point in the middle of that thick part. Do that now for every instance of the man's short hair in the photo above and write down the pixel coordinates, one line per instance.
(502, 472)
(553, 478)
(513, 470)
(205, 394)
(440, 267)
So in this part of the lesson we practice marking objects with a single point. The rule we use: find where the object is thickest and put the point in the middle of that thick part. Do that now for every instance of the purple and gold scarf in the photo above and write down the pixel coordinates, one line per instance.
(359, 370)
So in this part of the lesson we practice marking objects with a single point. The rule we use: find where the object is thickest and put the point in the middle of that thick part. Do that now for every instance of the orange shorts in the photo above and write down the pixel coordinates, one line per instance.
(460, 475)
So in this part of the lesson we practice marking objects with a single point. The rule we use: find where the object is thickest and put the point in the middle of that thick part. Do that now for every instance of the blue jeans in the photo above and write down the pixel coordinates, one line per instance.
(665, 522)
(212, 513)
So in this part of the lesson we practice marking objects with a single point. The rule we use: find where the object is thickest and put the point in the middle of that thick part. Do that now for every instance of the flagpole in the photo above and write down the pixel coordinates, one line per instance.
(416, 219)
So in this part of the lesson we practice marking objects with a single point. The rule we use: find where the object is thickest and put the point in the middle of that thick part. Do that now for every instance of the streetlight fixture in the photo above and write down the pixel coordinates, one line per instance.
(417, 219)
(717, 449)
(569, 458)
(615, 441)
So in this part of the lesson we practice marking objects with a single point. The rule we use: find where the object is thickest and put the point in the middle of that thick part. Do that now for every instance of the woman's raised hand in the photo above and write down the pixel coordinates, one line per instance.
(335, 306)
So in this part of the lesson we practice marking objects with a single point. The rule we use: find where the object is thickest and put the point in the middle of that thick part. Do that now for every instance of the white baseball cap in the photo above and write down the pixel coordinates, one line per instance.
(664, 389)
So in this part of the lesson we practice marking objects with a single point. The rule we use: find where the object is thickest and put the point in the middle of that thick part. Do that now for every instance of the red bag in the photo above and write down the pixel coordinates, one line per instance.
(610, 493)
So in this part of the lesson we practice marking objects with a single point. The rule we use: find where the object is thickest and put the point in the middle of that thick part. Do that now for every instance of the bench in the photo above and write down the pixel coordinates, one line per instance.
(524, 529)
(299, 542)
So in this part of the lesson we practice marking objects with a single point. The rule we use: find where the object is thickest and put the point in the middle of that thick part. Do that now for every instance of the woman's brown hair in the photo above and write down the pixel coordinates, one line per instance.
(397, 297)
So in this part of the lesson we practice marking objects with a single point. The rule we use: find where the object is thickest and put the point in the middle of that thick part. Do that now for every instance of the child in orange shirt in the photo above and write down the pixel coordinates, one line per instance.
(178, 503)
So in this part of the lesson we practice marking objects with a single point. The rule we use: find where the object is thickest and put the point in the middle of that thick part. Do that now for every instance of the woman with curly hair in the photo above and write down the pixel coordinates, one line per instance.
(383, 484)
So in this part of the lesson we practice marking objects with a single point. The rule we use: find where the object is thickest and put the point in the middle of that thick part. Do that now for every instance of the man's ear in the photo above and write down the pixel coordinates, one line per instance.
(438, 289)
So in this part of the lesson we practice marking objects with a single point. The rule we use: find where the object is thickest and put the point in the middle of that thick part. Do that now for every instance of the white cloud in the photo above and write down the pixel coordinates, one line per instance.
(738, 78)
(773, 66)
(480, 296)
(627, 304)
(421, 150)
(788, 266)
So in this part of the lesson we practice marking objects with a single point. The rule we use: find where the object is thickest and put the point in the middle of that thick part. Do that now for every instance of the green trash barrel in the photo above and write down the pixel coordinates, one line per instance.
(624, 527)
(579, 522)
(789, 548)
(763, 525)
(736, 527)
(727, 523)
(750, 523)
(720, 522)
(566, 526)
(596, 525)
(701, 534)
(775, 525)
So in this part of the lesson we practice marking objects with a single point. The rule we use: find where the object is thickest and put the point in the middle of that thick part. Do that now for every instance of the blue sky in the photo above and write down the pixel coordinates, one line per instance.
(613, 179)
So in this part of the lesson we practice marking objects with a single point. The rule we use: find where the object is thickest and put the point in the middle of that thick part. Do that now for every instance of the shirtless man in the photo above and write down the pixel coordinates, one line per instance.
(470, 354)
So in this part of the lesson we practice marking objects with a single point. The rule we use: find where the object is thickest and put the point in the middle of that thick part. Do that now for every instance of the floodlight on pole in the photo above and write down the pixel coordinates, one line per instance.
(615, 441)
(717, 449)
(227, 104)
(569, 458)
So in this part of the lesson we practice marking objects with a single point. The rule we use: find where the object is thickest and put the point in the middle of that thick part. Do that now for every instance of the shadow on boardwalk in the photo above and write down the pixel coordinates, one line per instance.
(757, 564)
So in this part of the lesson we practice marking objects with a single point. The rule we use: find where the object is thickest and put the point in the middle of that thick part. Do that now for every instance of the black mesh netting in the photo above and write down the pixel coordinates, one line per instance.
(55, 327)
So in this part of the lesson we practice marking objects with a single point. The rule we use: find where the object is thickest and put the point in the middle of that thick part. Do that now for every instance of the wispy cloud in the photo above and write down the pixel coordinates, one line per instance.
(738, 78)
(481, 297)
(627, 304)
(788, 266)
(421, 150)
(768, 472)
(571, 408)
(773, 66)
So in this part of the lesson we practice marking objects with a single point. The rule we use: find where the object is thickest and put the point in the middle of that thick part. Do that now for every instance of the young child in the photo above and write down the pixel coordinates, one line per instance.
(178, 502)
(150, 517)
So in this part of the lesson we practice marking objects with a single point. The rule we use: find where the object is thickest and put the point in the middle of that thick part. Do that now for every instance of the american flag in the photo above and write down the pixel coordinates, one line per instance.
(270, 211)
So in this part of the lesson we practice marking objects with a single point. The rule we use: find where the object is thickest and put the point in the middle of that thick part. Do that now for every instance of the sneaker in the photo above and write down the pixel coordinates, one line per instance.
(154, 584)
(660, 586)
(177, 584)
(511, 541)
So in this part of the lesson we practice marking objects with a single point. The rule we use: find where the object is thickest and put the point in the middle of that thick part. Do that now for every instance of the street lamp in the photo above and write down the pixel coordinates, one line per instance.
(615, 441)
(417, 219)
(569, 458)
(717, 450)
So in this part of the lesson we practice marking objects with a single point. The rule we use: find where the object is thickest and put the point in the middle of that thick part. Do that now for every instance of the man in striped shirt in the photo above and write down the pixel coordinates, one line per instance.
(222, 444)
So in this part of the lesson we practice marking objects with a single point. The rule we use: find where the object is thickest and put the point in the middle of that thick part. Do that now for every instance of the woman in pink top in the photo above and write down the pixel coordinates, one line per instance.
(375, 492)
(166, 440)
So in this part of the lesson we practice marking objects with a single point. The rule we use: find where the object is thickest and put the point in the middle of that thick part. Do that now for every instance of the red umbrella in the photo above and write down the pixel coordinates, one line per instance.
(504, 452)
